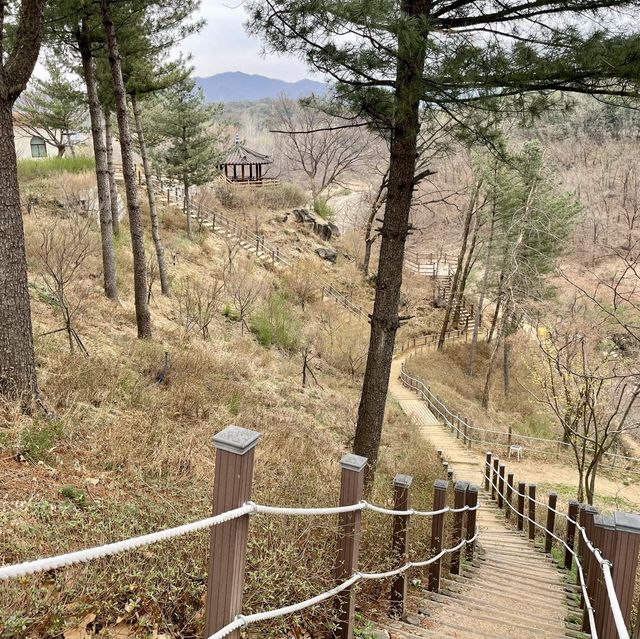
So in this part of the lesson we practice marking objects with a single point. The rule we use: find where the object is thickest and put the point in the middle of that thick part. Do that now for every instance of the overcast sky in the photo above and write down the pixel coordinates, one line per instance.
(223, 45)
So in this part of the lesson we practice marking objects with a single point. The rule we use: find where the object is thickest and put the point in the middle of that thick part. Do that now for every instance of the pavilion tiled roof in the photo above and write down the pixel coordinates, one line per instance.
(240, 154)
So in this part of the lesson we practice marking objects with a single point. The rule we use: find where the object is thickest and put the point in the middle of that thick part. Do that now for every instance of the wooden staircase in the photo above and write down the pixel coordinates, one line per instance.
(512, 590)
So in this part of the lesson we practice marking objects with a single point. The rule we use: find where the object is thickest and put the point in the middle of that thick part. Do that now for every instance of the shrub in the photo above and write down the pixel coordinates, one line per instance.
(323, 209)
(34, 169)
(276, 325)
(37, 440)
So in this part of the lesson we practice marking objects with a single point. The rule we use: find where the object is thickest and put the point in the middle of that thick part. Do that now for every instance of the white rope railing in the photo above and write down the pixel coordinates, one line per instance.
(250, 508)
(604, 564)
(89, 554)
(242, 621)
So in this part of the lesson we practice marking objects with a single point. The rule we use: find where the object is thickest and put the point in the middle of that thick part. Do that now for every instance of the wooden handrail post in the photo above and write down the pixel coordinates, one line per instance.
(460, 498)
(449, 473)
(584, 514)
(604, 538)
(532, 512)
(351, 489)
(494, 477)
(521, 489)
(487, 470)
(625, 565)
(437, 532)
(551, 522)
(571, 533)
(472, 502)
(509, 495)
(401, 485)
(228, 541)
(589, 560)
(501, 471)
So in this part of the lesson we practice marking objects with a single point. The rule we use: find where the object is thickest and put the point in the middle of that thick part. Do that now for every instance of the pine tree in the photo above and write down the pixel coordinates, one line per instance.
(450, 56)
(20, 44)
(188, 148)
(53, 109)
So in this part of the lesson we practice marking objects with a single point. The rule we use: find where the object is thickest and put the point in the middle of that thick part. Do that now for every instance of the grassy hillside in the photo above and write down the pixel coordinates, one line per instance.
(121, 454)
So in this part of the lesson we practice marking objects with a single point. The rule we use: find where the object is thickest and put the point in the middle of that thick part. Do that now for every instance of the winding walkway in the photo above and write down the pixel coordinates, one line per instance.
(512, 591)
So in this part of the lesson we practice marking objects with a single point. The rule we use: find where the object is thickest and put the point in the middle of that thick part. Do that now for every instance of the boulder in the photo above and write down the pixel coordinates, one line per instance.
(335, 231)
(328, 254)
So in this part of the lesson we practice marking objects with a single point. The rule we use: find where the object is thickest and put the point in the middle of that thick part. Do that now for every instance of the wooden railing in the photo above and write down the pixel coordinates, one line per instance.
(606, 558)
(229, 531)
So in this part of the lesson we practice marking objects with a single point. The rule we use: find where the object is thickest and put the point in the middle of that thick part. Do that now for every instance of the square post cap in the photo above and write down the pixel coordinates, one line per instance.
(502, 465)
(592, 510)
(472, 488)
(461, 485)
(353, 462)
(234, 439)
(441, 484)
(627, 522)
(604, 521)
(553, 493)
(402, 481)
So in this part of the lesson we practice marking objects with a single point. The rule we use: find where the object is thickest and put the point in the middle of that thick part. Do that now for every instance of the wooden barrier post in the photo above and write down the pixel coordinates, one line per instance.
(509, 495)
(494, 477)
(460, 498)
(401, 485)
(625, 566)
(437, 532)
(532, 512)
(472, 502)
(590, 563)
(551, 522)
(228, 542)
(487, 470)
(449, 473)
(501, 470)
(571, 533)
(604, 539)
(521, 488)
(351, 489)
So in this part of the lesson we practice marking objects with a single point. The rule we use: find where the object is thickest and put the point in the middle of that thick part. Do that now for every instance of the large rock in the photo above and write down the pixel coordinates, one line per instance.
(327, 254)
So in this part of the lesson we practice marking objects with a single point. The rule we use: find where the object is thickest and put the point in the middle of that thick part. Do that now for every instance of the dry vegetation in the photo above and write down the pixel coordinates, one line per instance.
(123, 454)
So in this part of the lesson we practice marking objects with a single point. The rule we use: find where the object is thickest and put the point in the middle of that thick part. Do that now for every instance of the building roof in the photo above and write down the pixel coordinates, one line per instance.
(240, 154)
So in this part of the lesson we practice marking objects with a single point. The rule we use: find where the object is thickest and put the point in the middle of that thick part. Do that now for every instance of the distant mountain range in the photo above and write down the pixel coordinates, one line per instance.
(235, 86)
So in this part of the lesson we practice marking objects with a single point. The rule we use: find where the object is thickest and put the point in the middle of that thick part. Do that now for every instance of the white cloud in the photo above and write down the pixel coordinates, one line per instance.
(224, 45)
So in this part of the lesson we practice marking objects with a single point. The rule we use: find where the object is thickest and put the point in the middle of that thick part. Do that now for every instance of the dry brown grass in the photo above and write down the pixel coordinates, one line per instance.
(125, 455)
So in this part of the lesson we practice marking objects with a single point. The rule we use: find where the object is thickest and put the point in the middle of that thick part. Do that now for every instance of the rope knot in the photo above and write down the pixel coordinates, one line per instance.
(254, 511)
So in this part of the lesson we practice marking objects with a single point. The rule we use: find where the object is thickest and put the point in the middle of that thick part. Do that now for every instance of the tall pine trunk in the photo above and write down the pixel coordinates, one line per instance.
(100, 154)
(17, 358)
(153, 210)
(143, 318)
(113, 188)
(395, 227)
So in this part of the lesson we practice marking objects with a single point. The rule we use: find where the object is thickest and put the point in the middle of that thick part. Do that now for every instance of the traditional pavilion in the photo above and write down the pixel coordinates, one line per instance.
(243, 165)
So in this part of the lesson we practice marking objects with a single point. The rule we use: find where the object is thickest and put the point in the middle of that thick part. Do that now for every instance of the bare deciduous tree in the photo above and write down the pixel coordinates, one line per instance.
(197, 304)
(591, 395)
(324, 155)
(63, 249)
(245, 288)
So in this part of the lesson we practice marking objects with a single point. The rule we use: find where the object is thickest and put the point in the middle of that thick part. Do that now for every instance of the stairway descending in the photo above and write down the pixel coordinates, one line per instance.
(510, 591)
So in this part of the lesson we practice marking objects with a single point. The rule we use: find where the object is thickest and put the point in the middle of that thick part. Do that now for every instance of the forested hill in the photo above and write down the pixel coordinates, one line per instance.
(236, 87)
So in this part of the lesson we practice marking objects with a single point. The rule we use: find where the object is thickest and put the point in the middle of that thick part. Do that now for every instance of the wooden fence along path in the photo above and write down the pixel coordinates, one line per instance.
(514, 589)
